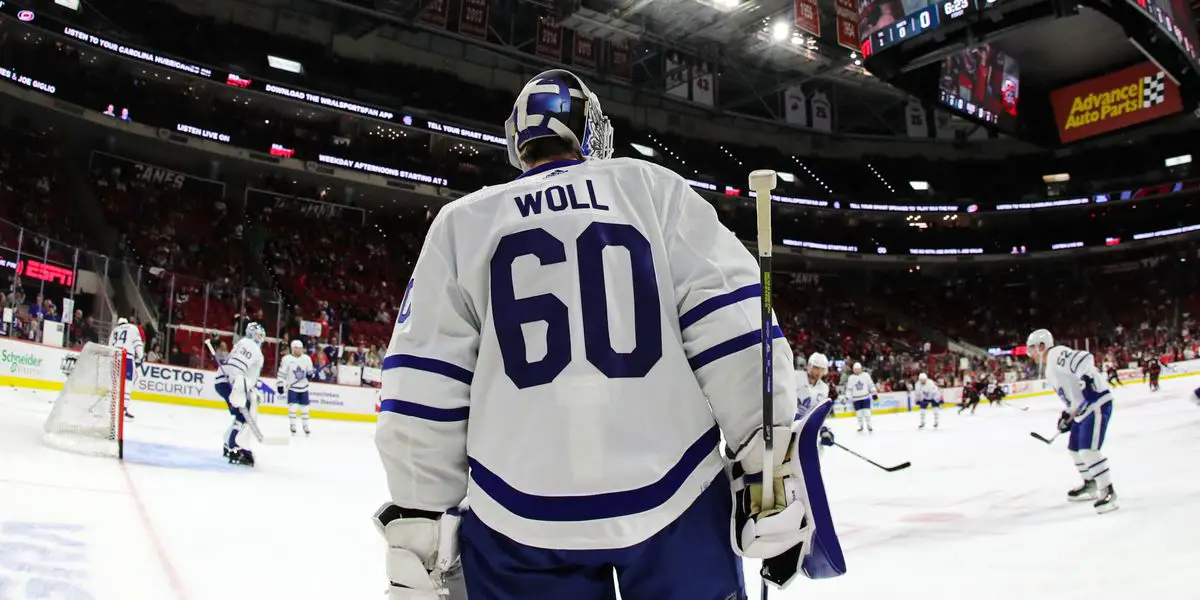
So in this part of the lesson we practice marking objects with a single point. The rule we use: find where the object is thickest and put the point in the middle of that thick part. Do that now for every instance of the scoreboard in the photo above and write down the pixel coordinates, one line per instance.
(888, 22)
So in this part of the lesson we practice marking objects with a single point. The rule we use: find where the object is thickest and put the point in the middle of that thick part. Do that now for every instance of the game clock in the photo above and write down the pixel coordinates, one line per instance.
(883, 28)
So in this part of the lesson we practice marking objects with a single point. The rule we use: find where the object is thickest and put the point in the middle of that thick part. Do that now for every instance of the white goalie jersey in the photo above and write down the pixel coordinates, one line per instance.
(600, 329)
(244, 363)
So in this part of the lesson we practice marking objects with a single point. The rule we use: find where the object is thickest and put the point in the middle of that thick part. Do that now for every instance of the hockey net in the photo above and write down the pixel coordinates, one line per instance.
(88, 415)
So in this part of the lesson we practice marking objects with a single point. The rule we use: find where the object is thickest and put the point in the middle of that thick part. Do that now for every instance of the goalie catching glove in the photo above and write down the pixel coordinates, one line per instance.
(795, 534)
(422, 550)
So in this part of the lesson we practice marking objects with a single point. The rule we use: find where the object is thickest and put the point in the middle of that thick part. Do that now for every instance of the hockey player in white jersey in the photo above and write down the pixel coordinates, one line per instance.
(236, 380)
(128, 337)
(599, 330)
(294, 372)
(928, 397)
(860, 389)
(1089, 405)
(811, 390)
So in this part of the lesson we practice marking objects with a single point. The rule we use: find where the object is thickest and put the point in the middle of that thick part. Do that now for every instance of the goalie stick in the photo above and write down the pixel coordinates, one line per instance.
(899, 467)
(762, 182)
(251, 422)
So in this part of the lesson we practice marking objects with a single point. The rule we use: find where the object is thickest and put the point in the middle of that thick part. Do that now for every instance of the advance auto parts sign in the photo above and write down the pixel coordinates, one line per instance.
(1127, 97)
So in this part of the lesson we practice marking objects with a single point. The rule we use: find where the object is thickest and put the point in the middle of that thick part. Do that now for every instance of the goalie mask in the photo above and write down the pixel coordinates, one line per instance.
(557, 104)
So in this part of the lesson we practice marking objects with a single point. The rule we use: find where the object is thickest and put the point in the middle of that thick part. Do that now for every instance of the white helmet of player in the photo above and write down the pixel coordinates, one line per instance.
(557, 104)
(857, 367)
(1035, 342)
(922, 377)
(818, 360)
(256, 333)
(297, 347)
(122, 321)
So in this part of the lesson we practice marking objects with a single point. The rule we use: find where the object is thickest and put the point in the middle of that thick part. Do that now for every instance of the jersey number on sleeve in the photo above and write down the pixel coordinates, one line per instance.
(512, 312)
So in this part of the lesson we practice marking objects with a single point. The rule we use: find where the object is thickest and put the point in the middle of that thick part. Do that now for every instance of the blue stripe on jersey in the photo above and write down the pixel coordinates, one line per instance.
(730, 346)
(431, 365)
(597, 506)
(716, 303)
(421, 411)
(242, 362)
(1079, 360)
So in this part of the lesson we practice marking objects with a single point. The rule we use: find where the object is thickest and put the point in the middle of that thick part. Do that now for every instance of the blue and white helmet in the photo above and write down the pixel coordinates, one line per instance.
(256, 333)
(556, 103)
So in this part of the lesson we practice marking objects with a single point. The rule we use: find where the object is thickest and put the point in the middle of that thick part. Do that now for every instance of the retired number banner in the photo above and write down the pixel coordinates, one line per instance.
(473, 18)
(1127, 97)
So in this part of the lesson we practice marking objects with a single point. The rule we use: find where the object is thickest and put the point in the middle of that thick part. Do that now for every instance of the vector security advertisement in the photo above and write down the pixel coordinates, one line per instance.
(1127, 97)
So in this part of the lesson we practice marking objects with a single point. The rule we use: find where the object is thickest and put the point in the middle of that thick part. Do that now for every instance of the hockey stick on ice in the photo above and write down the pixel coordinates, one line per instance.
(251, 422)
(762, 182)
(899, 467)
(1041, 438)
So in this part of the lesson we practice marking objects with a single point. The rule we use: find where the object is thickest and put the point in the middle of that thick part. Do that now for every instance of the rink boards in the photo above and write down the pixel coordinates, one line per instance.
(34, 366)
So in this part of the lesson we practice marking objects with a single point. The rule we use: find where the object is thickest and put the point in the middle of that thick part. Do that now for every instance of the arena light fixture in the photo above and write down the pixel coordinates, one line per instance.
(1056, 178)
(646, 151)
(786, 177)
(71, 4)
(780, 31)
(1182, 159)
(284, 64)
(919, 186)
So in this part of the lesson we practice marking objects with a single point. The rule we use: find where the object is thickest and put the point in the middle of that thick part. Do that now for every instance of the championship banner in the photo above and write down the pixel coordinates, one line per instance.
(1127, 97)
(795, 106)
(550, 38)
(847, 24)
(704, 84)
(620, 60)
(436, 13)
(583, 51)
(808, 16)
(677, 74)
(473, 18)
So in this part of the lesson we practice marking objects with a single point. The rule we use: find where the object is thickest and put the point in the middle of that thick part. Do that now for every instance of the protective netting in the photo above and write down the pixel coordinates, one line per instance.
(87, 416)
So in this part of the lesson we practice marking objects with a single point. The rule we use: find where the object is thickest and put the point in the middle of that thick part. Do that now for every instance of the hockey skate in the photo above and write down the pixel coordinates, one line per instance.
(870, 429)
(1107, 501)
(860, 428)
(1083, 493)
(921, 426)
(307, 433)
(224, 450)
(294, 430)
(241, 456)
(128, 415)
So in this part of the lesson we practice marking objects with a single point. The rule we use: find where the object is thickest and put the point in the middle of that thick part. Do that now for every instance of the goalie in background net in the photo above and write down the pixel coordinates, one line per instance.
(128, 337)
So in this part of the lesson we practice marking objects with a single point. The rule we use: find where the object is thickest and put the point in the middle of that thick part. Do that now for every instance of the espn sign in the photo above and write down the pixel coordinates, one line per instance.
(1127, 97)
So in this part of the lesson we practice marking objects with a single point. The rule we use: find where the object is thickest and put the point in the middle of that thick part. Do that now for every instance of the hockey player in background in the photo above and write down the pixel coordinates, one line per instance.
(587, 446)
(970, 397)
(1114, 377)
(929, 397)
(1154, 368)
(860, 390)
(295, 370)
(128, 337)
(812, 390)
(1073, 374)
(236, 380)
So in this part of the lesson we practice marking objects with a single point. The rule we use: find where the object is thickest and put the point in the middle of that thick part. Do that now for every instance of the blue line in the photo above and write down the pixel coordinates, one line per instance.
(431, 365)
(421, 411)
(731, 346)
(598, 506)
(718, 302)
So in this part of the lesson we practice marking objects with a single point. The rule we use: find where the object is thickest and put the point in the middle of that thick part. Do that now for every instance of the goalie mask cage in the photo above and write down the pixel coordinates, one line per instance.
(88, 414)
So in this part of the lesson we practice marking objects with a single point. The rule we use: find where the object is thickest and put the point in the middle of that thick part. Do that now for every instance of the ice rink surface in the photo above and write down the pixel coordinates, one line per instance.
(981, 514)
